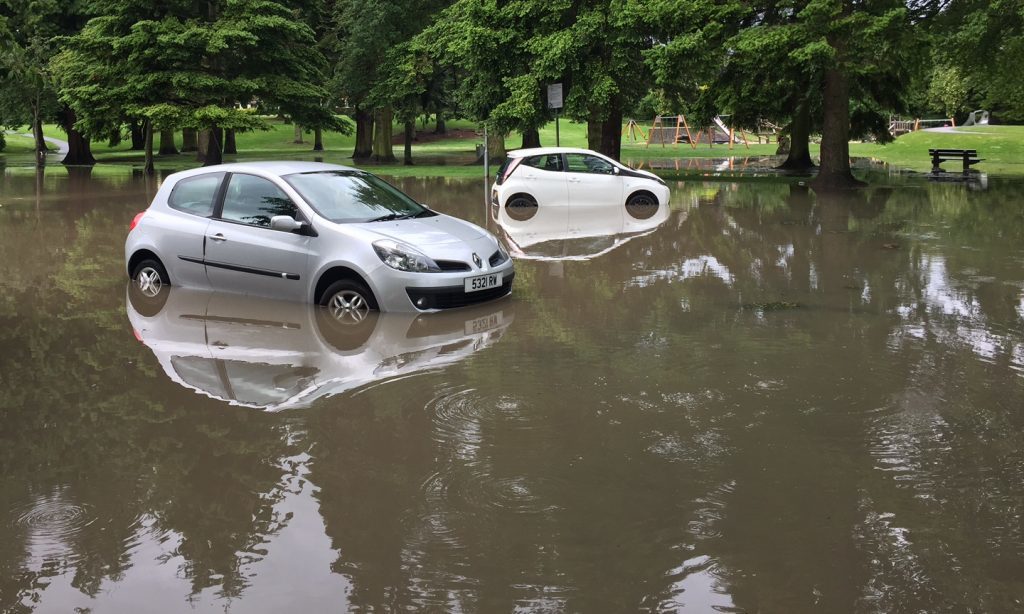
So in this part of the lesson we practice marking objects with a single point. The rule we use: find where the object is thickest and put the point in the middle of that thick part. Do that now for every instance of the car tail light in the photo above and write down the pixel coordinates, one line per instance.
(135, 220)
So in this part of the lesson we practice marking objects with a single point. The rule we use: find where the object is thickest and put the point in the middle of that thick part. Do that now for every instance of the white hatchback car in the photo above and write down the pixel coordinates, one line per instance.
(312, 232)
(562, 175)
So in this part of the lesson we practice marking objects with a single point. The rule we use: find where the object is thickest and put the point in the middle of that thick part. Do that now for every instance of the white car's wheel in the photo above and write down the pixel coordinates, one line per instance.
(521, 207)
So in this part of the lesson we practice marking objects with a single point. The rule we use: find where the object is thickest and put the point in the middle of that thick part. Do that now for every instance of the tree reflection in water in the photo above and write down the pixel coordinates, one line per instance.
(640, 439)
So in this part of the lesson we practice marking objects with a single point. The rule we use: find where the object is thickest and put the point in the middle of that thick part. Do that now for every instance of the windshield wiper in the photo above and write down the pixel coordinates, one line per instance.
(391, 216)
(426, 213)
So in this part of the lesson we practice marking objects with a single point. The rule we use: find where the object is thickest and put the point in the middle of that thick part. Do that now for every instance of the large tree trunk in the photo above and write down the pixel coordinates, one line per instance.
(79, 152)
(410, 134)
(383, 151)
(148, 140)
(138, 135)
(441, 127)
(611, 134)
(167, 147)
(594, 131)
(298, 135)
(230, 146)
(799, 158)
(605, 135)
(364, 134)
(214, 153)
(496, 151)
(189, 140)
(202, 144)
(531, 138)
(834, 173)
(318, 139)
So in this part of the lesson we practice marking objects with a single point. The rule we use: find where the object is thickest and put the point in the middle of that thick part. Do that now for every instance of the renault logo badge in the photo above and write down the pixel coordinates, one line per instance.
(477, 261)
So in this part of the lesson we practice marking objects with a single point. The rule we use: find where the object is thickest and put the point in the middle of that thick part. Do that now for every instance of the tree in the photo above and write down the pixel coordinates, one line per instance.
(362, 33)
(982, 46)
(27, 89)
(182, 64)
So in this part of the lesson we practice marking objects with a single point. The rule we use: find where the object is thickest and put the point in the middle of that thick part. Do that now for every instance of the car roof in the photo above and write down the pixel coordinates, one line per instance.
(540, 151)
(268, 167)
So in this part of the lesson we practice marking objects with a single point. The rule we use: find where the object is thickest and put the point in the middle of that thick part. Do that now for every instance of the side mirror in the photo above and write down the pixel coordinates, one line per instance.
(285, 223)
(615, 170)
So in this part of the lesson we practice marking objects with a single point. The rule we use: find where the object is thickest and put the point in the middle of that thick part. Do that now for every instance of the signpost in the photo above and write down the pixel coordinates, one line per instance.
(555, 102)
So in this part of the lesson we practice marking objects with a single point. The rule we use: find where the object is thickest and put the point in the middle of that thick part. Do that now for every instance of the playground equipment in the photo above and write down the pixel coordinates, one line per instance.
(633, 129)
(899, 126)
(977, 118)
(664, 133)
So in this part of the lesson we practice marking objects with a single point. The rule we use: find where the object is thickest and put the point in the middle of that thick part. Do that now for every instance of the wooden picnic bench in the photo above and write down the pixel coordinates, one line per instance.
(967, 156)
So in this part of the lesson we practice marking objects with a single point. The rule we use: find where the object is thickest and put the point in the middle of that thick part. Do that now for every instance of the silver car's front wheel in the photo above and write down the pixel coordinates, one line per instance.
(348, 301)
(150, 276)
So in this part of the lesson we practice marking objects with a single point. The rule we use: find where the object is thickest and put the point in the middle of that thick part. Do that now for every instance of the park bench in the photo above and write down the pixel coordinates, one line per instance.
(968, 156)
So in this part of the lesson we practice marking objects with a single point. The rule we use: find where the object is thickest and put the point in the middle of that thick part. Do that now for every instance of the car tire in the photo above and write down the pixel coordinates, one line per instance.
(642, 205)
(521, 207)
(348, 301)
(147, 306)
(149, 276)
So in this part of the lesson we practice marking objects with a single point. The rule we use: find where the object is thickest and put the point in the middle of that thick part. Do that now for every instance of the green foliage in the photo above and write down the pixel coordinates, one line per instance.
(948, 90)
(191, 65)
(985, 41)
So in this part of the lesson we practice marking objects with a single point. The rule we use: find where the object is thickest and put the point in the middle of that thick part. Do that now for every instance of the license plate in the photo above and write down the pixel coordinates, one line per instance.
(483, 324)
(483, 282)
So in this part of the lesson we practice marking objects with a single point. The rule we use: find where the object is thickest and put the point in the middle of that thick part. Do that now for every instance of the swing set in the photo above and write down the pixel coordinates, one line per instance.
(674, 130)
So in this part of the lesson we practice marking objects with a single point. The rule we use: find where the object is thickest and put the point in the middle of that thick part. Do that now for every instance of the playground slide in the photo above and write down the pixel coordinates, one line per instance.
(721, 126)
(977, 118)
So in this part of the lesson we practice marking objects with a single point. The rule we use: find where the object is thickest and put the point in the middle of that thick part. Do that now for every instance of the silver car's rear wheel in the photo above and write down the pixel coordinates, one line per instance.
(149, 277)
(348, 301)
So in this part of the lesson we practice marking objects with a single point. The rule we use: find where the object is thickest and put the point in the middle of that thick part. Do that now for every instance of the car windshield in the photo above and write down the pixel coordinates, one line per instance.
(354, 196)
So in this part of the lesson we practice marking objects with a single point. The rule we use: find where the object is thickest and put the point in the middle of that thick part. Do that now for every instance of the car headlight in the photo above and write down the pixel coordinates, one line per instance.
(404, 257)
(502, 251)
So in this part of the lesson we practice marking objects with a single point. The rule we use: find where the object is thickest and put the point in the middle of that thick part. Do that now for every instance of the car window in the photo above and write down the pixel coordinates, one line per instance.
(583, 163)
(354, 196)
(196, 195)
(547, 162)
(254, 200)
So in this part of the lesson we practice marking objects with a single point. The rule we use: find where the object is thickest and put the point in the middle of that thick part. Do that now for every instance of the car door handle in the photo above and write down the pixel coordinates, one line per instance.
(217, 237)
(574, 179)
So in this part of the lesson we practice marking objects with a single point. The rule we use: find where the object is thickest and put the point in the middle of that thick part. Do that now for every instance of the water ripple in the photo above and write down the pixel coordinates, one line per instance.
(51, 523)
(470, 486)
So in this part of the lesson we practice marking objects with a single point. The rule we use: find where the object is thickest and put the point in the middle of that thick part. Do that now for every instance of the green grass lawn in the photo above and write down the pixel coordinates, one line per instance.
(1002, 148)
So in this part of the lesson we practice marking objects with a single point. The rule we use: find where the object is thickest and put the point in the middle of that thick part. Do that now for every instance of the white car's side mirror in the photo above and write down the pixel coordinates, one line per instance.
(615, 170)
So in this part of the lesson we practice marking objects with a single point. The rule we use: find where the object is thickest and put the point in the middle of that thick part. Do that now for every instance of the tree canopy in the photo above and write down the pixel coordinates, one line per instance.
(838, 67)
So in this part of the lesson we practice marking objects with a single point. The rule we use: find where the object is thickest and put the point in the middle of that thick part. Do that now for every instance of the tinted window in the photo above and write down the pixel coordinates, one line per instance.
(582, 163)
(195, 195)
(254, 200)
(354, 196)
(547, 162)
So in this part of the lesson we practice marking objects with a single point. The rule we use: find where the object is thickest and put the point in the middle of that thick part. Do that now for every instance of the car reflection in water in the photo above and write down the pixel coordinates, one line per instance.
(574, 231)
(276, 355)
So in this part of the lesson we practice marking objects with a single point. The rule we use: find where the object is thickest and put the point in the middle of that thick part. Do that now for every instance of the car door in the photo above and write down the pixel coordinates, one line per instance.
(595, 196)
(543, 178)
(592, 181)
(243, 254)
(182, 236)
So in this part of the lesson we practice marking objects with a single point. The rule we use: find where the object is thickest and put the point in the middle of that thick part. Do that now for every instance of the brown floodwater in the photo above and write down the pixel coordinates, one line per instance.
(756, 399)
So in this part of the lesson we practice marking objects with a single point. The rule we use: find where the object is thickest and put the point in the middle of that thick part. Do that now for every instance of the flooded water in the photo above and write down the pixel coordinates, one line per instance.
(753, 400)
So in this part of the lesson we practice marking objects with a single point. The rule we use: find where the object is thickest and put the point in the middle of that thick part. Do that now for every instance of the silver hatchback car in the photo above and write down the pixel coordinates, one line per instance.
(312, 232)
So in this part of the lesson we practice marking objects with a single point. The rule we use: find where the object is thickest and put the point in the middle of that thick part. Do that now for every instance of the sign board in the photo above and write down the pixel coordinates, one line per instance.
(555, 96)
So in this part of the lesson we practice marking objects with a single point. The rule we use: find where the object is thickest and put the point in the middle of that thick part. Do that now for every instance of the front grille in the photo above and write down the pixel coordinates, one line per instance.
(456, 296)
(452, 265)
